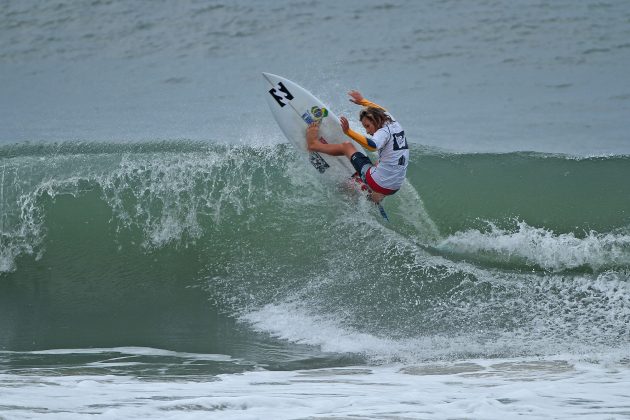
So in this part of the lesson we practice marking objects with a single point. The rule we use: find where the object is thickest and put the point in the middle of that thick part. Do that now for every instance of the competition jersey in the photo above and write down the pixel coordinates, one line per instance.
(393, 151)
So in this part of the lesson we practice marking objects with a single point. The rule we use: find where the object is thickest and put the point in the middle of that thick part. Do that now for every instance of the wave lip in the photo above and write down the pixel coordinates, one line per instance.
(173, 193)
(540, 247)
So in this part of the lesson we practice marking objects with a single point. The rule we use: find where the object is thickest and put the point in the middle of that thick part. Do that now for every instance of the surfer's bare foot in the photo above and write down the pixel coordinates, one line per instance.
(376, 197)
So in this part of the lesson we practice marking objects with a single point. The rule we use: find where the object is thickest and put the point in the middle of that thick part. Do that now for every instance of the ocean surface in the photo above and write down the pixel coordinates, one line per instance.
(165, 253)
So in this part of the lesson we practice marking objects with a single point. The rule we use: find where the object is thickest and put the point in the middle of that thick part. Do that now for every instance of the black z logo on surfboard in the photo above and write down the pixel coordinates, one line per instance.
(280, 93)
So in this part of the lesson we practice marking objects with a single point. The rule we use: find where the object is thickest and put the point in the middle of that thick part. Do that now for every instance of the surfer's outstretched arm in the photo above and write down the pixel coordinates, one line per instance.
(358, 99)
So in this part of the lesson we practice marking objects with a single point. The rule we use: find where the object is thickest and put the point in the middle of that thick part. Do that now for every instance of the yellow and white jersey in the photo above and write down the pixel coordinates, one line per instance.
(393, 156)
(393, 151)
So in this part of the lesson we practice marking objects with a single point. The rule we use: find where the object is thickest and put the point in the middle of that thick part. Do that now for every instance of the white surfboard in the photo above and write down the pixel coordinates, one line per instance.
(294, 108)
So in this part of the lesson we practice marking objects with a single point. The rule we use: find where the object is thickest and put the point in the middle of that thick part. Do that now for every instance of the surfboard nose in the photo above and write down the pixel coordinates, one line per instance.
(271, 77)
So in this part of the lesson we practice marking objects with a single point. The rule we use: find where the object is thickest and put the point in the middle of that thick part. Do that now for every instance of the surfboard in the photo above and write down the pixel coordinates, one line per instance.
(294, 108)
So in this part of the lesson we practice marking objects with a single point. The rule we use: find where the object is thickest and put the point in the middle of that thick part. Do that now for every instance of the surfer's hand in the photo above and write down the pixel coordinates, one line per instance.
(345, 126)
(356, 96)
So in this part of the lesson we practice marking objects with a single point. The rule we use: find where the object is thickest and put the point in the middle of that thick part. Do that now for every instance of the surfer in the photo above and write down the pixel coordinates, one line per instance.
(386, 135)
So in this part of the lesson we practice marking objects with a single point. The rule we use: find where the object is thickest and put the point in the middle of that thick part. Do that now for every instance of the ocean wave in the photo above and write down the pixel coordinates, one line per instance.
(173, 193)
(262, 239)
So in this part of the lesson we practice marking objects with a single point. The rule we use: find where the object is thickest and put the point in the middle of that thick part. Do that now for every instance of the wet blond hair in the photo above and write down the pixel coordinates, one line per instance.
(378, 116)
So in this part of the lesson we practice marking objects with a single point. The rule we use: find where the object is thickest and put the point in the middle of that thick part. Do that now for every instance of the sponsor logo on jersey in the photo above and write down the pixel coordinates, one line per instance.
(400, 141)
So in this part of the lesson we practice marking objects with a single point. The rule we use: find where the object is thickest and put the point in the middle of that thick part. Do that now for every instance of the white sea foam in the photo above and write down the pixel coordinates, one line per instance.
(489, 389)
(490, 313)
(542, 247)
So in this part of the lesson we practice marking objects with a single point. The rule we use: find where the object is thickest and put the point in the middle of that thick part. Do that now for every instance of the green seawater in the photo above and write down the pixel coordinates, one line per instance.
(192, 247)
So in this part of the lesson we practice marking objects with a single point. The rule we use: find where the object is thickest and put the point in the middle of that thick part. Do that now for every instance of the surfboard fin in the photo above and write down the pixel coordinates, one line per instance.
(382, 210)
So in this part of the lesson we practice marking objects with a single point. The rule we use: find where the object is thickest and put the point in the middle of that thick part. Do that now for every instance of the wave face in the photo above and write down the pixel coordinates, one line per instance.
(226, 249)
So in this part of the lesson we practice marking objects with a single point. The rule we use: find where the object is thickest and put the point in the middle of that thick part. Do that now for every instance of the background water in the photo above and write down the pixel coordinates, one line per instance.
(164, 254)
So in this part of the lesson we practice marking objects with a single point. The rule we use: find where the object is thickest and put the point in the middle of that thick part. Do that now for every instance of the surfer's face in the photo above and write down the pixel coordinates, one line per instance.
(369, 126)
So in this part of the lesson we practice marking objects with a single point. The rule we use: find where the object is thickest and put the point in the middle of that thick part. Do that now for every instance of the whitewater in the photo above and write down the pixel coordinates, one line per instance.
(164, 253)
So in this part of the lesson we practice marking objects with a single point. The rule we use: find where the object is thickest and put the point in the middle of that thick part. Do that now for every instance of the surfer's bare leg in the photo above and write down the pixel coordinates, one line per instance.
(343, 149)
(314, 145)
(376, 197)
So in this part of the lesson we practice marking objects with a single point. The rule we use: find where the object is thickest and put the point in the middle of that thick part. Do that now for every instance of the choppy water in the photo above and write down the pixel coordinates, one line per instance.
(163, 253)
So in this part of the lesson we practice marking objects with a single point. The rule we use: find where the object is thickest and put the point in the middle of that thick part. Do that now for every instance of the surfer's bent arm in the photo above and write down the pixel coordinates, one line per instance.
(366, 142)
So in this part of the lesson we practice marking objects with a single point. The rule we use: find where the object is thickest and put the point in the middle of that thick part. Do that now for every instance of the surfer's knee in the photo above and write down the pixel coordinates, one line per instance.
(348, 149)
(310, 146)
